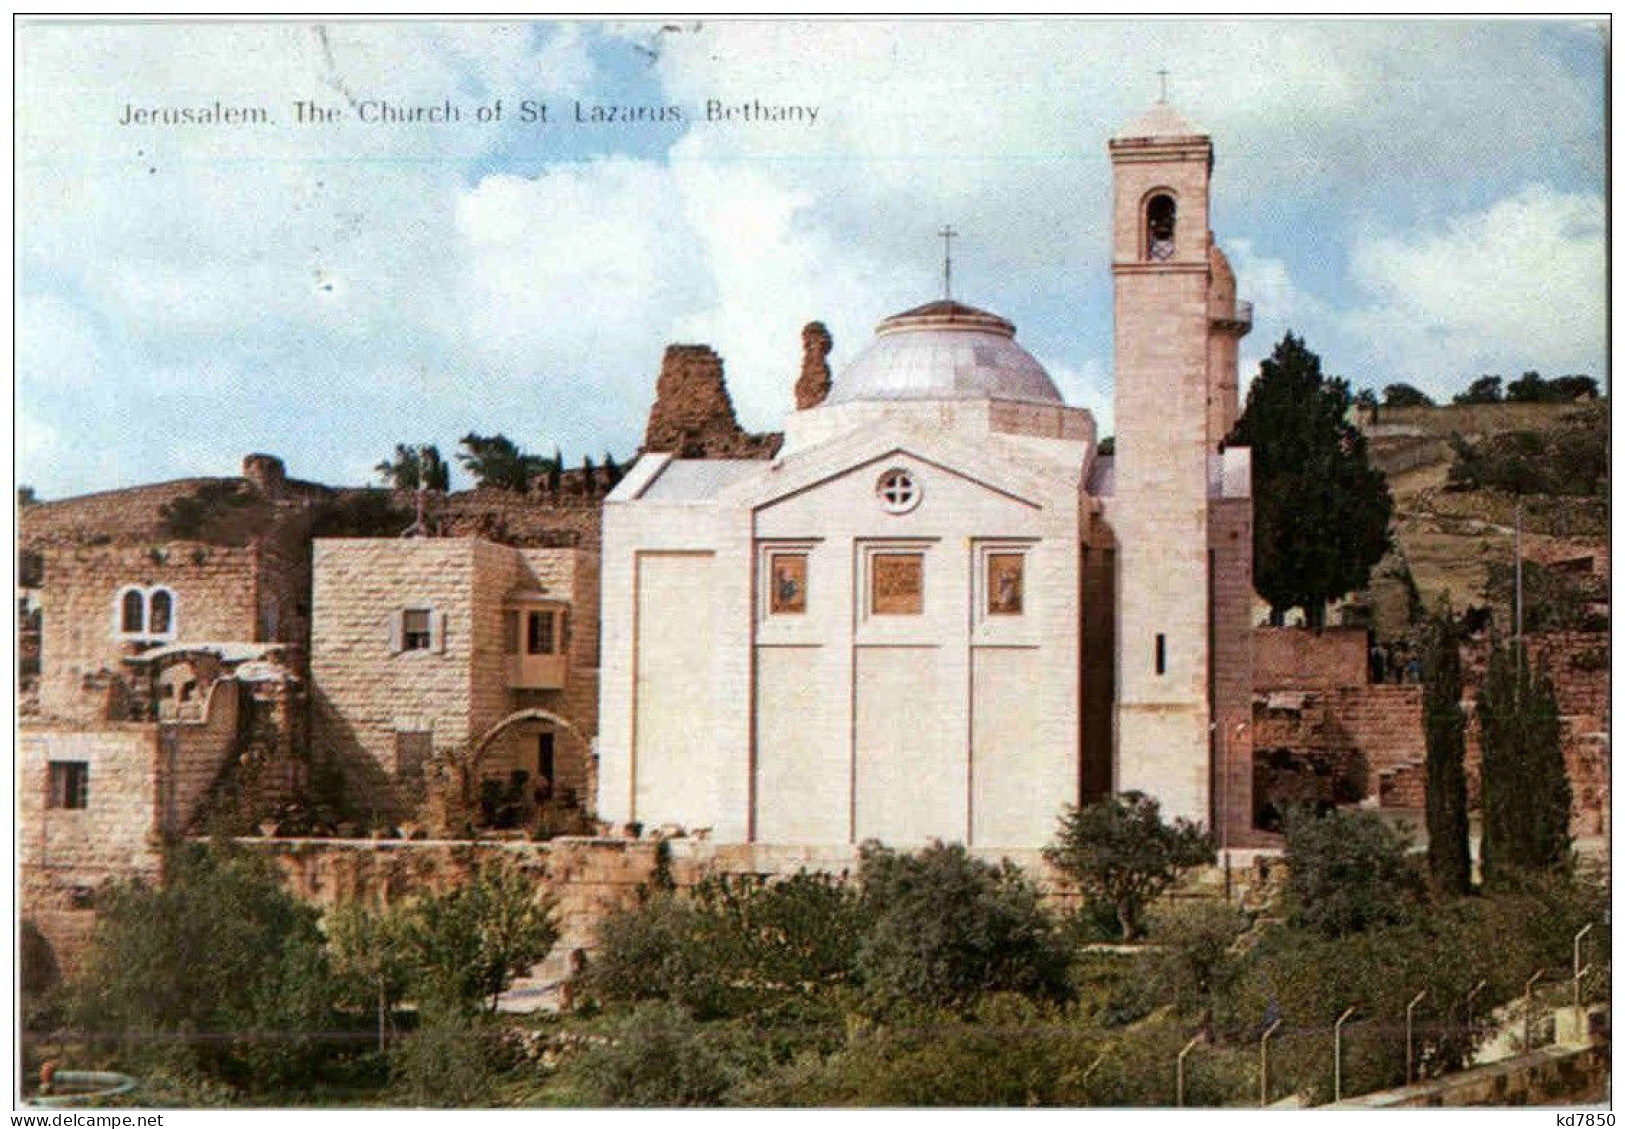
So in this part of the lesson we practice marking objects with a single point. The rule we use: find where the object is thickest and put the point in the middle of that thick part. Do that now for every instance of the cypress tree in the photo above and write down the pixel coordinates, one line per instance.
(1445, 726)
(1526, 787)
(1321, 509)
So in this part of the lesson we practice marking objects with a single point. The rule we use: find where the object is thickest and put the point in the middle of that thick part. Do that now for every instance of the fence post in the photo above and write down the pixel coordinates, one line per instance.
(1179, 1075)
(1529, 1011)
(1477, 988)
(1410, 1044)
(1578, 970)
(1337, 1053)
(1264, 1064)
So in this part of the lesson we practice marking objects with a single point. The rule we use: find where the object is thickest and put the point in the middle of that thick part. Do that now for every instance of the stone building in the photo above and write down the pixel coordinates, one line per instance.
(169, 623)
(196, 560)
(455, 652)
(938, 611)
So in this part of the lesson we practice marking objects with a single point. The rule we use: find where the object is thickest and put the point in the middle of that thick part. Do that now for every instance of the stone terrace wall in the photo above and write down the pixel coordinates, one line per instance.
(587, 877)
(1296, 658)
(1469, 419)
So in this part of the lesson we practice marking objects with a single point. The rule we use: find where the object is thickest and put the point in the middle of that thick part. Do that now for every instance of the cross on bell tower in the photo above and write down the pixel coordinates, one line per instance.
(947, 234)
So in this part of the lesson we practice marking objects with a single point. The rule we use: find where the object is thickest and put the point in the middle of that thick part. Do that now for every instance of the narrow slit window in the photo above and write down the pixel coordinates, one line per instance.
(510, 632)
(1162, 654)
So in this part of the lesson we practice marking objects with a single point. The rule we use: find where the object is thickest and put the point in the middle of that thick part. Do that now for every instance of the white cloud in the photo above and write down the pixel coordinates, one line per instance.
(335, 290)
(1520, 284)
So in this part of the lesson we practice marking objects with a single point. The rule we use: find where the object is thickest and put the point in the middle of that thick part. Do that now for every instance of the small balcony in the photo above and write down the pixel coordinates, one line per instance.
(1233, 315)
(537, 650)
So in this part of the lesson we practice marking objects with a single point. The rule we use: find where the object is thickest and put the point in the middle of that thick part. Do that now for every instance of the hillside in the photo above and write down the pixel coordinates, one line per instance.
(1448, 538)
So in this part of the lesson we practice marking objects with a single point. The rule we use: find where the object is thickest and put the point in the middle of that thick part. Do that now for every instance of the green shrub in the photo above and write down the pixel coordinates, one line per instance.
(659, 1055)
(946, 927)
(452, 1061)
(1197, 961)
(219, 970)
(467, 944)
(658, 951)
(1119, 850)
(1346, 871)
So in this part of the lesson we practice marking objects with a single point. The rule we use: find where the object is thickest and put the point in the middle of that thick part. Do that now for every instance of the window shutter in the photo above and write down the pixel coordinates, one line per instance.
(397, 632)
(437, 632)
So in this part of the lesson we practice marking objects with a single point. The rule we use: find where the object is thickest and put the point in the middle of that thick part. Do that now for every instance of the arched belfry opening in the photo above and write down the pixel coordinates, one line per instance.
(1159, 227)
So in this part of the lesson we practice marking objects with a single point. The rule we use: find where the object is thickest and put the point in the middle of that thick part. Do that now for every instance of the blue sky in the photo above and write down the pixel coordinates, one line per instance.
(1423, 201)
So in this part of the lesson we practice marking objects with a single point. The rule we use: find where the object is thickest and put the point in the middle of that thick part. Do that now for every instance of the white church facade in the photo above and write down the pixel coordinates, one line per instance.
(939, 611)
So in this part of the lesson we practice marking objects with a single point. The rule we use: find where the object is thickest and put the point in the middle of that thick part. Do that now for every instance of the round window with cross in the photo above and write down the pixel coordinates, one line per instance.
(898, 491)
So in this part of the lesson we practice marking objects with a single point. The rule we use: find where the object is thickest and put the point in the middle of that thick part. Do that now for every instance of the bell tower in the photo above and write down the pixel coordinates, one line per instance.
(1162, 272)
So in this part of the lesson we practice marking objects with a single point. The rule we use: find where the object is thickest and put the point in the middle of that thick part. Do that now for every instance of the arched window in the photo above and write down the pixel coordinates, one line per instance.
(160, 612)
(132, 612)
(1159, 228)
(145, 613)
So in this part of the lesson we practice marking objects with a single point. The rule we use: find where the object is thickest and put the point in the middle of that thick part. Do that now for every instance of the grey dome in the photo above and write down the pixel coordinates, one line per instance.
(944, 351)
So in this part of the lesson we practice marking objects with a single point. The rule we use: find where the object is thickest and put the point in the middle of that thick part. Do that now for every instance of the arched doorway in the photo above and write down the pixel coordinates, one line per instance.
(554, 755)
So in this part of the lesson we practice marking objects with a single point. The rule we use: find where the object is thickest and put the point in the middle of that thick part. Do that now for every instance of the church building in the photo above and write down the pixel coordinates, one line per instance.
(940, 611)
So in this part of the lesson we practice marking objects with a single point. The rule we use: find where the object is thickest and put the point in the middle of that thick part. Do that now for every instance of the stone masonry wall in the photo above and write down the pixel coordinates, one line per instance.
(1231, 540)
(215, 601)
(1308, 700)
(113, 835)
(195, 752)
(1293, 658)
(361, 693)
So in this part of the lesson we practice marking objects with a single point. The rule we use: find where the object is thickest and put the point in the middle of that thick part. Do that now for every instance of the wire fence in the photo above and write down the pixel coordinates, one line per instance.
(1155, 1062)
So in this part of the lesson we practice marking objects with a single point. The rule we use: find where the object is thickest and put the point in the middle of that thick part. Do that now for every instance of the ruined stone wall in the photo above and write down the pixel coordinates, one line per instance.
(193, 755)
(538, 519)
(1373, 734)
(693, 416)
(812, 386)
(1296, 658)
(1578, 664)
(214, 589)
(1382, 725)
